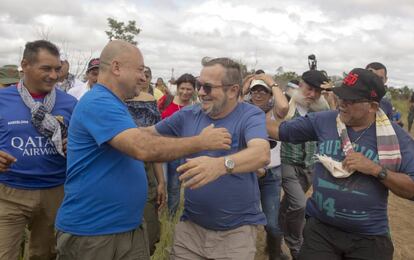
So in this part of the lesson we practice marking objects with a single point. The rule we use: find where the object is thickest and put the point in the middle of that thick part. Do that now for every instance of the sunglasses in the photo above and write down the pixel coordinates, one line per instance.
(207, 87)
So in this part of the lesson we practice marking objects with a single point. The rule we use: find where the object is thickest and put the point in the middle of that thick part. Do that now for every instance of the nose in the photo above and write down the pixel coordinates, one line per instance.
(141, 77)
(312, 93)
(201, 92)
(53, 74)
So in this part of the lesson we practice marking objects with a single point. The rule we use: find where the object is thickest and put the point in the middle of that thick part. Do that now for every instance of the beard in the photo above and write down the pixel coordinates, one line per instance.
(319, 104)
(216, 109)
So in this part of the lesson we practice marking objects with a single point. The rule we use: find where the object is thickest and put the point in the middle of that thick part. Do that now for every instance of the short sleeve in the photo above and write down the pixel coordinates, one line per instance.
(255, 126)
(105, 118)
(171, 126)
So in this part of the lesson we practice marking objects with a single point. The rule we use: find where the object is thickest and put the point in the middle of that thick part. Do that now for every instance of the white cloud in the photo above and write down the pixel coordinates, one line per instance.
(263, 34)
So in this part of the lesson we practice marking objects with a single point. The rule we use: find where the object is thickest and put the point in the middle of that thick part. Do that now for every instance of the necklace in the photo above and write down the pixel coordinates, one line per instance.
(362, 134)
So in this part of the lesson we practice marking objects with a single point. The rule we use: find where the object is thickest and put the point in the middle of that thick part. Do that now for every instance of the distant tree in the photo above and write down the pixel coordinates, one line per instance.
(406, 92)
(287, 76)
(120, 31)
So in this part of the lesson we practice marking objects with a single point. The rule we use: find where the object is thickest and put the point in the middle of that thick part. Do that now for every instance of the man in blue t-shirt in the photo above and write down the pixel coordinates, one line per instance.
(106, 186)
(348, 215)
(33, 127)
(222, 198)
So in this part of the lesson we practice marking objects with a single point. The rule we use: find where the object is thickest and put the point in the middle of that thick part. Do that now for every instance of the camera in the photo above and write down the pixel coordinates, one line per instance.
(312, 62)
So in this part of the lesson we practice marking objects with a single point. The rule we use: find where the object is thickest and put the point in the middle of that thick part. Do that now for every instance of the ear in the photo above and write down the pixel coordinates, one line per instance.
(24, 64)
(116, 67)
(234, 91)
(373, 107)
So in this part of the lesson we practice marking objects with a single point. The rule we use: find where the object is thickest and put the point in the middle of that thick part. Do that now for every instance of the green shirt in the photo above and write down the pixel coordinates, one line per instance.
(298, 154)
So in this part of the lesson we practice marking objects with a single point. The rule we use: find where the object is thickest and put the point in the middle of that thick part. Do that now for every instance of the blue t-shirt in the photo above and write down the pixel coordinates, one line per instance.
(38, 165)
(232, 200)
(355, 204)
(105, 190)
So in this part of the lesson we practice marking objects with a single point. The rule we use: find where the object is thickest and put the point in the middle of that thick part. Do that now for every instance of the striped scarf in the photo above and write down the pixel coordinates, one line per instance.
(44, 122)
(387, 142)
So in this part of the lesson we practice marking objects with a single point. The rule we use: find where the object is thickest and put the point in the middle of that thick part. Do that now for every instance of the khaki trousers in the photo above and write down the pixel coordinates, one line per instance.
(34, 209)
(193, 242)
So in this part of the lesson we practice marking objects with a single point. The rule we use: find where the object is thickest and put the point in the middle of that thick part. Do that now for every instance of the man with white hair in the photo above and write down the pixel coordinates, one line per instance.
(297, 160)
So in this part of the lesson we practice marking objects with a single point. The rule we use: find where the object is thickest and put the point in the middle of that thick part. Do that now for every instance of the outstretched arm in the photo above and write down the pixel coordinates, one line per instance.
(144, 144)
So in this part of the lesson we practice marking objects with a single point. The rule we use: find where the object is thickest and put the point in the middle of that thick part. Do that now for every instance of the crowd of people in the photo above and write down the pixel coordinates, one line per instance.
(85, 167)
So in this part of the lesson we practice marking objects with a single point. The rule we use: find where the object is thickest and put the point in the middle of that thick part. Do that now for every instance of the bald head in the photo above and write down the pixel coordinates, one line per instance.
(119, 51)
(121, 68)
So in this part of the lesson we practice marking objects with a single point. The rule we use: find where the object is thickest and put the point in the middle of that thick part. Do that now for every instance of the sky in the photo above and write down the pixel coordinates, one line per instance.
(176, 35)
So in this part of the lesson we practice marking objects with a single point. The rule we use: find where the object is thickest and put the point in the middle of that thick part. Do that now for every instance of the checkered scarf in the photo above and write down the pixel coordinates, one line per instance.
(387, 142)
(42, 120)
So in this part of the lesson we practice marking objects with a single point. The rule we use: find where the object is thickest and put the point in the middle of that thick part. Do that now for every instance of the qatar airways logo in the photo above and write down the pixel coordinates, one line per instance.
(34, 146)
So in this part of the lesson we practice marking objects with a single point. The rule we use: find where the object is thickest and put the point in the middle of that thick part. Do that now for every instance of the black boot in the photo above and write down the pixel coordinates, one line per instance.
(274, 246)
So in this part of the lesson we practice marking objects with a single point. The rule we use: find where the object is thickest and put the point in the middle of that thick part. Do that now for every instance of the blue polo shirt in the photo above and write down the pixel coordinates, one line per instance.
(232, 200)
(105, 190)
(39, 165)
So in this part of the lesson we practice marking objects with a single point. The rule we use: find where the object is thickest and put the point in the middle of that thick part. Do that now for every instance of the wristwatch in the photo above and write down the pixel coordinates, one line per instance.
(229, 164)
(382, 175)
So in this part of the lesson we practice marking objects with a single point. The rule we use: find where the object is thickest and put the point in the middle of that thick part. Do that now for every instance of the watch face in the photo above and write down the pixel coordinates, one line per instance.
(229, 163)
(383, 174)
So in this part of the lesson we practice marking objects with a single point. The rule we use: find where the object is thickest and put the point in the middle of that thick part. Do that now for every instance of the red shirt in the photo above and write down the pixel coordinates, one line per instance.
(171, 109)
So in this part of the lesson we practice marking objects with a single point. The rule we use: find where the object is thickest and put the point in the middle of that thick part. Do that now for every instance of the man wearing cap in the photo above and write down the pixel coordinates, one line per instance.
(34, 116)
(92, 75)
(9, 75)
(297, 160)
(266, 94)
(369, 155)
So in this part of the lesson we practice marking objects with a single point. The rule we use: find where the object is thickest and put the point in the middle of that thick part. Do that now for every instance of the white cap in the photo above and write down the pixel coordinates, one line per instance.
(259, 82)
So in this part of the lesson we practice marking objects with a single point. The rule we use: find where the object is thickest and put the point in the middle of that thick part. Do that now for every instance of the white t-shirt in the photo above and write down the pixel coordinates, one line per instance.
(80, 90)
(274, 153)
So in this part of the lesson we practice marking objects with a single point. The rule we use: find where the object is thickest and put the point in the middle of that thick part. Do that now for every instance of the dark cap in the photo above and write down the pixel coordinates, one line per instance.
(314, 78)
(94, 63)
(361, 84)
(9, 75)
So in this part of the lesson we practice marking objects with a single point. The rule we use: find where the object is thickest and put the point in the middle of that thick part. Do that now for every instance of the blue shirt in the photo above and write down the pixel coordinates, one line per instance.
(358, 203)
(232, 200)
(105, 190)
(38, 165)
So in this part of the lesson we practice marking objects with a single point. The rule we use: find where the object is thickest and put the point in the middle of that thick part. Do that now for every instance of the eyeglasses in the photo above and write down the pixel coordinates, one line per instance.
(207, 87)
(259, 92)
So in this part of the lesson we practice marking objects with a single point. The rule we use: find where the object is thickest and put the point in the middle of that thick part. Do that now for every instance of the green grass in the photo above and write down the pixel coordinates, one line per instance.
(402, 106)
(163, 248)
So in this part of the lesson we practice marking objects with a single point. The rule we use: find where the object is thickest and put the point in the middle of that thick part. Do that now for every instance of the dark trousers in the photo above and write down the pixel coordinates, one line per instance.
(325, 242)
